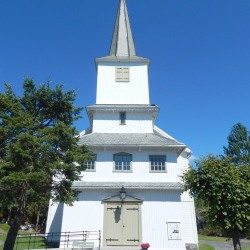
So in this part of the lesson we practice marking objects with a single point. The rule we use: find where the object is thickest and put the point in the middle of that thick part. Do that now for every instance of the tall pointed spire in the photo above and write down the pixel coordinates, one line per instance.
(122, 42)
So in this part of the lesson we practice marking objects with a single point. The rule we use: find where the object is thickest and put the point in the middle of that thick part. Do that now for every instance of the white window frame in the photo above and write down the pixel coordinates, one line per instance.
(122, 74)
(122, 154)
(92, 164)
(156, 167)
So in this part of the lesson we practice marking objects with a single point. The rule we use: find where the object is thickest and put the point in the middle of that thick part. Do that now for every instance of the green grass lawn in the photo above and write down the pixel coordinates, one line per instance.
(23, 243)
(213, 238)
(39, 242)
(203, 246)
(208, 247)
(218, 239)
(4, 229)
(36, 243)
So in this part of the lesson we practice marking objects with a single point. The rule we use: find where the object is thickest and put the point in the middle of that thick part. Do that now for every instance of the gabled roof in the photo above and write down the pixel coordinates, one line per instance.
(128, 198)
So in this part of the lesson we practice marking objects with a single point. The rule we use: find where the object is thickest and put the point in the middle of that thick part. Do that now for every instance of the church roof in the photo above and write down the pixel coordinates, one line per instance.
(122, 107)
(129, 140)
(128, 185)
(122, 45)
(152, 107)
(122, 42)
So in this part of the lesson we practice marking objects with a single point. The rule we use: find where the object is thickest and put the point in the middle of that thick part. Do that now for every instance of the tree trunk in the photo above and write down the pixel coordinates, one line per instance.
(43, 225)
(37, 220)
(236, 241)
(12, 234)
(9, 216)
(17, 221)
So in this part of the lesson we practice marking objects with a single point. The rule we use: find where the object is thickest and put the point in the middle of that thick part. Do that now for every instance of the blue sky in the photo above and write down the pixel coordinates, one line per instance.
(199, 50)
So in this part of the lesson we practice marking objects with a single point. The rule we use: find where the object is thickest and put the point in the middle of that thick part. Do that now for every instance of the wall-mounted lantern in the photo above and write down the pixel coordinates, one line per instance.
(122, 193)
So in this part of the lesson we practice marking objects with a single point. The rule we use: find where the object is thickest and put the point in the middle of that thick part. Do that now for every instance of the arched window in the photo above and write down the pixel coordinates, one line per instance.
(122, 162)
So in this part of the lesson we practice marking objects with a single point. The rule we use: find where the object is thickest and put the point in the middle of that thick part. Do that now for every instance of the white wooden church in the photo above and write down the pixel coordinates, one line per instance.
(131, 191)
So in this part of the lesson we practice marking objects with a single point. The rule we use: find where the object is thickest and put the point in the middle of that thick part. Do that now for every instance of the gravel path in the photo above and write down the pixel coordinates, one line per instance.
(224, 245)
(219, 245)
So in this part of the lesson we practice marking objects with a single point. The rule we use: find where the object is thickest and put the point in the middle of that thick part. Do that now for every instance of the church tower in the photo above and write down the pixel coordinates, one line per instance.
(122, 75)
(131, 190)
(122, 85)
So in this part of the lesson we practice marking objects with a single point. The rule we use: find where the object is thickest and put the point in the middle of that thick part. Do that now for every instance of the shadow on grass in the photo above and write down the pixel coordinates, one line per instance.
(31, 242)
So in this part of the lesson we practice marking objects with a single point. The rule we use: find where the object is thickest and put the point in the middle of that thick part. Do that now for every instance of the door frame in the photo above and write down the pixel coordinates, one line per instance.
(115, 200)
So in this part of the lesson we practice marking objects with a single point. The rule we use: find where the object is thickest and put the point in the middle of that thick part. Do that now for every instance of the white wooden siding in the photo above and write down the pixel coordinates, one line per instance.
(54, 218)
(188, 211)
(110, 123)
(133, 92)
(189, 225)
(140, 167)
(158, 208)
(80, 216)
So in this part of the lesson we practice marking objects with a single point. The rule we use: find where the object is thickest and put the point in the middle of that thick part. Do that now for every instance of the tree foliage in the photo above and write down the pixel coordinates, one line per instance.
(38, 147)
(224, 187)
(238, 145)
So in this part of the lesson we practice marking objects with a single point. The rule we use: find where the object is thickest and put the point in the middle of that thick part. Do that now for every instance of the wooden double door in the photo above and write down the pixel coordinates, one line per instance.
(122, 224)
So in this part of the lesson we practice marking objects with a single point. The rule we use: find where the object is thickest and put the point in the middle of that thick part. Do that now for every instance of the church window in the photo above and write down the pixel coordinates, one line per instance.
(122, 74)
(122, 162)
(122, 118)
(157, 163)
(90, 165)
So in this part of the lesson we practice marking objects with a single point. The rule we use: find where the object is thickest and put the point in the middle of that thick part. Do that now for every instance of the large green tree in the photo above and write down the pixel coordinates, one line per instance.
(223, 184)
(238, 145)
(38, 148)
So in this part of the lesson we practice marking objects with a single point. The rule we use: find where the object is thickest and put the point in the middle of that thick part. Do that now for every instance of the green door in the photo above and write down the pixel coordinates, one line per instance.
(121, 225)
(130, 225)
